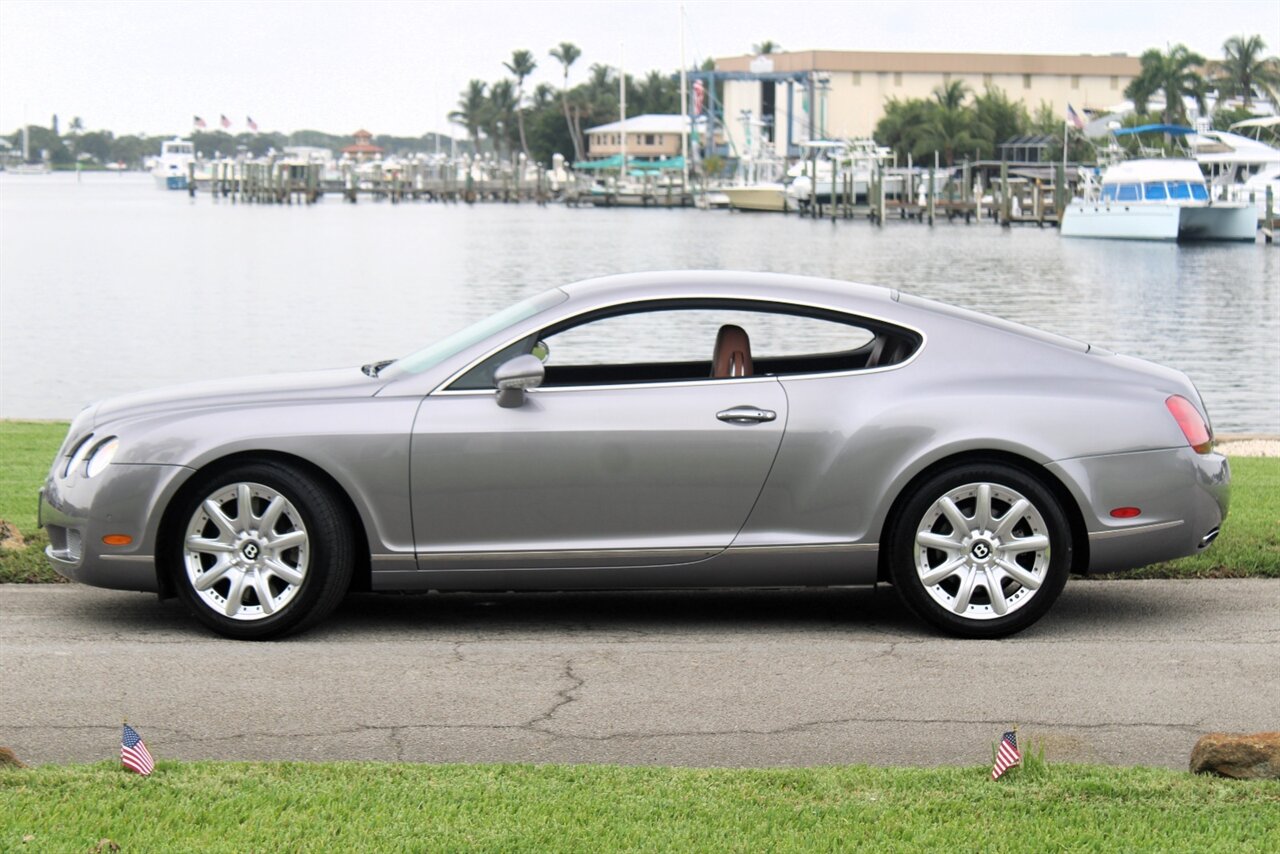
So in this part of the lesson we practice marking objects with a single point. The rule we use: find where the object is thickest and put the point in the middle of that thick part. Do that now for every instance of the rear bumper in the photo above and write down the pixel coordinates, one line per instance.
(1183, 498)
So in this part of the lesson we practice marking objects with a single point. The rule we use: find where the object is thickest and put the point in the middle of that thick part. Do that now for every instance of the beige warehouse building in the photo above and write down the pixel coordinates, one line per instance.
(828, 94)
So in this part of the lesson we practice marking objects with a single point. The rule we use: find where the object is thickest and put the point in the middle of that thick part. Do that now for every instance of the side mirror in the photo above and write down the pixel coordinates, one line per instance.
(516, 375)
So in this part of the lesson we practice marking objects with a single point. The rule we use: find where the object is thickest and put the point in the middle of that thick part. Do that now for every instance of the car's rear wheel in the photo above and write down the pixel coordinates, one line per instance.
(980, 550)
(263, 550)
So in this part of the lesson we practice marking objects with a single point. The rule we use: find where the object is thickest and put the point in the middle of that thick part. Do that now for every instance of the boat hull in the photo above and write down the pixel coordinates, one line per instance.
(1159, 222)
(767, 199)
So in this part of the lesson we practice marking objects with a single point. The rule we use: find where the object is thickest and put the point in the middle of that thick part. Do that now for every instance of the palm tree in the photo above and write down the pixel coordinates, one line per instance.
(950, 96)
(567, 54)
(1176, 74)
(472, 107)
(1244, 69)
(499, 112)
(903, 123)
(656, 93)
(950, 130)
(766, 46)
(542, 96)
(521, 65)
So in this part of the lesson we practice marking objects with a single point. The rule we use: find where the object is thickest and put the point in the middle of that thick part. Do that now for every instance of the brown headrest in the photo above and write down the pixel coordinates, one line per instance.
(732, 357)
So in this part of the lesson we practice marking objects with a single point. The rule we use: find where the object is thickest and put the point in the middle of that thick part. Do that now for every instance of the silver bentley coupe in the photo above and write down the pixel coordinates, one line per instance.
(656, 430)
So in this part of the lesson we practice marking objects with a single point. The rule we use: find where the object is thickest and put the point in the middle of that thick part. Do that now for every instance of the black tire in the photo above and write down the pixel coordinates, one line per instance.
(323, 561)
(908, 562)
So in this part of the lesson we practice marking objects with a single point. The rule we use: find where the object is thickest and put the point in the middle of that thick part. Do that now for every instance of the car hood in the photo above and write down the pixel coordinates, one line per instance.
(308, 385)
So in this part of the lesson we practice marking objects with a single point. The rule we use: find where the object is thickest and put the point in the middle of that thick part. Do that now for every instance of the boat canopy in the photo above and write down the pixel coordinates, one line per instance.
(1174, 130)
(633, 164)
(1263, 122)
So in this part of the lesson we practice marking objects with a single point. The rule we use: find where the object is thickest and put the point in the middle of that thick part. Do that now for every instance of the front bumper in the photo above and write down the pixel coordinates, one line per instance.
(1183, 498)
(77, 512)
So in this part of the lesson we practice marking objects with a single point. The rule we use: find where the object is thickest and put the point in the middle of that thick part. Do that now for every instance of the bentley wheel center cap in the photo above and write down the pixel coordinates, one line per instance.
(251, 550)
(981, 550)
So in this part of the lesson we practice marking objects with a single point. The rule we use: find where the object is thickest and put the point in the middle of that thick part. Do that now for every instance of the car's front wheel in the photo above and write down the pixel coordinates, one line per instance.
(980, 550)
(263, 550)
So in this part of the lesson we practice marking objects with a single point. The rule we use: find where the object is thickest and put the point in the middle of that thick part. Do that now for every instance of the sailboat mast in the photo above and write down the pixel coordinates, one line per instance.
(622, 106)
(684, 108)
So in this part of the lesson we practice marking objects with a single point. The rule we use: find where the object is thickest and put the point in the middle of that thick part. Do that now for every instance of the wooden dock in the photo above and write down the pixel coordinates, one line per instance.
(287, 183)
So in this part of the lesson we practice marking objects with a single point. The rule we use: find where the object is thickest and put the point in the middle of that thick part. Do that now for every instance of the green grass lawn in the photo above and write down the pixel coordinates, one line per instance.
(235, 807)
(1248, 547)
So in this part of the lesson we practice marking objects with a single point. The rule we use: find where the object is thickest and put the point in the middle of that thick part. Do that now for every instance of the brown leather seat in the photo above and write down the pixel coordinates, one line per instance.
(732, 357)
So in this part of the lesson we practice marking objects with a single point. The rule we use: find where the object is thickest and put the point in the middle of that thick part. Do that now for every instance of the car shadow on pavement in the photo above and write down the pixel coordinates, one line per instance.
(877, 611)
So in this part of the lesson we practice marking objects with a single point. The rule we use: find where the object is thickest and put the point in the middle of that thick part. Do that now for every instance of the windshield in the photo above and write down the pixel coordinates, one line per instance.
(429, 357)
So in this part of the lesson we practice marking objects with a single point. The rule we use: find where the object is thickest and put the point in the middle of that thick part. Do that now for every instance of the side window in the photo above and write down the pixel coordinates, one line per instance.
(1179, 190)
(1199, 192)
(1154, 191)
(1128, 193)
(674, 343)
(688, 336)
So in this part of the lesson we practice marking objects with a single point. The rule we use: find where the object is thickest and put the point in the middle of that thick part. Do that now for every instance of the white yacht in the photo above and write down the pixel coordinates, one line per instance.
(858, 157)
(1157, 199)
(171, 168)
(1239, 168)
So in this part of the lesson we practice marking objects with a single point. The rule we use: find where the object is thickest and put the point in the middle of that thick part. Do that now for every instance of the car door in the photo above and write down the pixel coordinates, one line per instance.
(623, 475)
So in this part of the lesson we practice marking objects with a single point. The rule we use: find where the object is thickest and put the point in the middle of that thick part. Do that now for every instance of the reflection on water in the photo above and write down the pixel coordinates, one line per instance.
(109, 285)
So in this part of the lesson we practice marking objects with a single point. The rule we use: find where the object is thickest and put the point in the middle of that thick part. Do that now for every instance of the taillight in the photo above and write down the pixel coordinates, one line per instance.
(1192, 425)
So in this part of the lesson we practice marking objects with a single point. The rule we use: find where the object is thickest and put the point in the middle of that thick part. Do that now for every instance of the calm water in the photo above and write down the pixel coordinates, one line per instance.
(109, 285)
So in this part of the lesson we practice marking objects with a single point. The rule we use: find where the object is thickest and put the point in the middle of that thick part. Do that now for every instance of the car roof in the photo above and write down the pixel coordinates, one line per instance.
(873, 300)
(725, 283)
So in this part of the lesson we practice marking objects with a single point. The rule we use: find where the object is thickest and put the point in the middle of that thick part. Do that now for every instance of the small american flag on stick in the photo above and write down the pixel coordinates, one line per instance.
(1007, 755)
(134, 754)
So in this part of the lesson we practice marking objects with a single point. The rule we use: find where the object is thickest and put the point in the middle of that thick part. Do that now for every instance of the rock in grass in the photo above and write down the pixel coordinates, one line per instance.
(1243, 757)
(8, 759)
(10, 536)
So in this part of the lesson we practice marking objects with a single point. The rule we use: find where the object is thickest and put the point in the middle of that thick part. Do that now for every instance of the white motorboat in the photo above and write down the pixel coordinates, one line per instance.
(173, 165)
(813, 175)
(1239, 168)
(1157, 199)
(768, 196)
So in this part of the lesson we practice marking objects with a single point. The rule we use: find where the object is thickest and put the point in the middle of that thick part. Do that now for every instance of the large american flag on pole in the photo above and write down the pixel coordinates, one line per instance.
(134, 754)
(1007, 755)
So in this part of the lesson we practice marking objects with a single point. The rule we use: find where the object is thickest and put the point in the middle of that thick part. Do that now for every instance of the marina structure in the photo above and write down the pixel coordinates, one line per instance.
(825, 94)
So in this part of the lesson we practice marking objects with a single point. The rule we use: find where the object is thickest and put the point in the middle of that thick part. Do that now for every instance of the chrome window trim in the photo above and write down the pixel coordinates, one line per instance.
(443, 389)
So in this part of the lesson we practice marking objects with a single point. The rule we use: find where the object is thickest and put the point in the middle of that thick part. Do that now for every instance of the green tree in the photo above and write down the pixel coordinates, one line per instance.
(903, 123)
(500, 114)
(950, 96)
(567, 54)
(472, 107)
(1176, 74)
(521, 65)
(656, 93)
(951, 131)
(1244, 69)
(765, 47)
(1003, 117)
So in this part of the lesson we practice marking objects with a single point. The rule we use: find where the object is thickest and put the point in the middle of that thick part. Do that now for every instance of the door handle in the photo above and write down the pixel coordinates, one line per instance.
(746, 415)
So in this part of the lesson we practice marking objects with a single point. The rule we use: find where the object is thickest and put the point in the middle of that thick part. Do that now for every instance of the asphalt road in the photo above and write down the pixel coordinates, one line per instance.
(1119, 672)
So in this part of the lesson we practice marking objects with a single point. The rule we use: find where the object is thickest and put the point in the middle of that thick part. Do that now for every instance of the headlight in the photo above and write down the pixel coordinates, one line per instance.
(101, 456)
(77, 455)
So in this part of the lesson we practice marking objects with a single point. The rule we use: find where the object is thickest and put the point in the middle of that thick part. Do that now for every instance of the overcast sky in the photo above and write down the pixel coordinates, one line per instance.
(397, 67)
